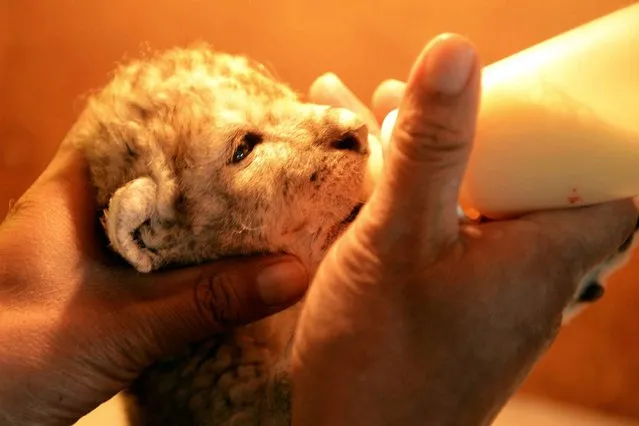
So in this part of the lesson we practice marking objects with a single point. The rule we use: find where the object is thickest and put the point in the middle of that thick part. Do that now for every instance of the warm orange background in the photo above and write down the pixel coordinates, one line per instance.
(52, 51)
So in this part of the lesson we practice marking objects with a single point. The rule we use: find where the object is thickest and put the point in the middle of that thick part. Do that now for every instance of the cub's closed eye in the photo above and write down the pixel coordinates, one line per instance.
(245, 146)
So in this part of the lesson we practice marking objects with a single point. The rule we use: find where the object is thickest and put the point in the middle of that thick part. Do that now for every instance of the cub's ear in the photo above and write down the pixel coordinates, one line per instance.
(131, 207)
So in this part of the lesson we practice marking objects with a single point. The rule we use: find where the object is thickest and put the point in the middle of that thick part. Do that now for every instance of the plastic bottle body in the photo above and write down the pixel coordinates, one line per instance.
(559, 123)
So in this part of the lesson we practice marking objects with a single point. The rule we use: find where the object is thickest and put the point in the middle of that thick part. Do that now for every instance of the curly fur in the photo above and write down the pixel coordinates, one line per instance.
(160, 140)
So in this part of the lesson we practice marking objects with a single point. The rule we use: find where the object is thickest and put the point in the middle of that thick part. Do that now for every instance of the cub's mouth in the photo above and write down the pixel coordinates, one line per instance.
(336, 230)
(353, 214)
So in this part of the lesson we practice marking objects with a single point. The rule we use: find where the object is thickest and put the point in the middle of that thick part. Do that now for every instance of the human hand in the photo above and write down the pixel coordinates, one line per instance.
(77, 326)
(414, 318)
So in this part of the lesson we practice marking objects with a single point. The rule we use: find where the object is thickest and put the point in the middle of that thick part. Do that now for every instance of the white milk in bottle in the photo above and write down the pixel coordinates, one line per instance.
(558, 124)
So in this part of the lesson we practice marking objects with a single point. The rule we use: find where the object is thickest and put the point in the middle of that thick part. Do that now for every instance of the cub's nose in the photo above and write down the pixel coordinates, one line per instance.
(353, 140)
(346, 131)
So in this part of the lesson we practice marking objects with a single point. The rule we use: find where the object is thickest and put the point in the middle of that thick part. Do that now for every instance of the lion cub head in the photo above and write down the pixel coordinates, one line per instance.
(197, 154)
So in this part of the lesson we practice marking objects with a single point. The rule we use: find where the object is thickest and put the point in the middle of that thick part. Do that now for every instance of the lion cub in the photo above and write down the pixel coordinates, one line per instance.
(197, 155)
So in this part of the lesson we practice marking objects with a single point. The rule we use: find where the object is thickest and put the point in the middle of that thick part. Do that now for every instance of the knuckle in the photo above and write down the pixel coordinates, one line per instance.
(425, 138)
(218, 301)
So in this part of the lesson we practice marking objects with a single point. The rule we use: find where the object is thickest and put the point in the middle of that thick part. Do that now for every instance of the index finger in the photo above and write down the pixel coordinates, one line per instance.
(586, 236)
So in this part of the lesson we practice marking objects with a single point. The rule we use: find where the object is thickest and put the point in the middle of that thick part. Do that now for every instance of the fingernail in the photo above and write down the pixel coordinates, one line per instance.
(282, 283)
(449, 62)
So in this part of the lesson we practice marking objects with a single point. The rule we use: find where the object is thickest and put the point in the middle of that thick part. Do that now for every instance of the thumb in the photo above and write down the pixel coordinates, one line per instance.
(196, 303)
(430, 144)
